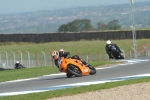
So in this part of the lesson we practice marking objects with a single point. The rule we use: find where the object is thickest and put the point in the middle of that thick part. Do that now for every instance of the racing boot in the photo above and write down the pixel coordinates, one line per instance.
(86, 64)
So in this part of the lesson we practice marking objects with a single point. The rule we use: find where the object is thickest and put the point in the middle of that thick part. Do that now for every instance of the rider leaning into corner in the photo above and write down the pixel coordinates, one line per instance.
(56, 55)
(62, 53)
(18, 65)
(108, 48)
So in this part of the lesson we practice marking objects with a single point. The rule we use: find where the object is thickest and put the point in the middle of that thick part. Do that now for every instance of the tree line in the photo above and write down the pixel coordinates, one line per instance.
(86, 25)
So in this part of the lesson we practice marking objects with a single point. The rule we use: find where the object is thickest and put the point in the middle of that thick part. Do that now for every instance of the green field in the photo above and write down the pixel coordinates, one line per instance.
(75, 47)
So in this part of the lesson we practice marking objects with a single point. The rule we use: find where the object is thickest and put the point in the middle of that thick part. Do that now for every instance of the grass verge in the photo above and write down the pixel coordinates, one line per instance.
(73, 91)
(74, 47)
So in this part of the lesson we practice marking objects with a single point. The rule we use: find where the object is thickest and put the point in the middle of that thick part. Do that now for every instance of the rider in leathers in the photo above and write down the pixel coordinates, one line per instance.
(18, 65)
(109, 50)
(55, 56)
(67, 54)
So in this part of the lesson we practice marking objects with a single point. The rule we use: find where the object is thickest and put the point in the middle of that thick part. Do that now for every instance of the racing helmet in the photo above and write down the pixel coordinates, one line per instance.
(108, 42)
(55, 55)
(17, 62)
(61, 50)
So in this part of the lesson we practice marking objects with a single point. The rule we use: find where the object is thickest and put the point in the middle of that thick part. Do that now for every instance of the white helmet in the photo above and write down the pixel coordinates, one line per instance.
(17, 62)
(61, 50)
(108, 42)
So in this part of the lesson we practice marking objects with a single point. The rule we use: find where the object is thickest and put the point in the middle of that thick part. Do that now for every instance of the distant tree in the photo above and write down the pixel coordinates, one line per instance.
(85, 25)
(76, 25)
(63, 27)
(114, 25)
(102, 26)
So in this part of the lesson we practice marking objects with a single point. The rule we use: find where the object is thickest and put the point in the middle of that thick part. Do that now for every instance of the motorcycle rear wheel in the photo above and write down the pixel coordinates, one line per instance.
(121, 57)
(92, 71)
(74, 70)
(69, 75)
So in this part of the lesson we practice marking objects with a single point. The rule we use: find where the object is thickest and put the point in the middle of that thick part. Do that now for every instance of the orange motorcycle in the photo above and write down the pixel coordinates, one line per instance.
(74, 67)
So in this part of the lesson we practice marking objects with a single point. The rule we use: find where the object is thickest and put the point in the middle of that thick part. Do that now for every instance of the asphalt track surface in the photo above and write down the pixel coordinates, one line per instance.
(130, 68)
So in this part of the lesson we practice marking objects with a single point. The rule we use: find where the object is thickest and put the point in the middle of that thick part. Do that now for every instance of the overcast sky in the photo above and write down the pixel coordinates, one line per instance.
(17, 6)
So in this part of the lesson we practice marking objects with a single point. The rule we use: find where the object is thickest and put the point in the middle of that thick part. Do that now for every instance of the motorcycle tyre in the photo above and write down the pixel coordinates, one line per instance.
(117, 57)
(121, 57)
(92, 71)
(69, 75)
(69, 70)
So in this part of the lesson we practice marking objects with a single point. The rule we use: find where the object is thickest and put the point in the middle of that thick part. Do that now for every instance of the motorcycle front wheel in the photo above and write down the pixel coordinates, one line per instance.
(74, 70)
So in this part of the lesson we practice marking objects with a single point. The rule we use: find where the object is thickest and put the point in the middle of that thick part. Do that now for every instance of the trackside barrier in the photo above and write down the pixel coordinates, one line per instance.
(8, 59)
(74, 36)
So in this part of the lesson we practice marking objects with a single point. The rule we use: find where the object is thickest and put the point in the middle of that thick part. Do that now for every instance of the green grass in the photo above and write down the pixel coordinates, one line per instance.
(73, 91)
(75, 47)
(8, 75)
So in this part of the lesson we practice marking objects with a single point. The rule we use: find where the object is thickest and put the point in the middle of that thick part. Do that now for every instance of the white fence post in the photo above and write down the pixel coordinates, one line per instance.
(135, 54)
(148, 53)
(21, 57)
(6, 59)
(28, 57)
(0, 59)
(44, 57)
(145, 50)
(130, 54)
(87, 58)
(13, 56)
(123, 53)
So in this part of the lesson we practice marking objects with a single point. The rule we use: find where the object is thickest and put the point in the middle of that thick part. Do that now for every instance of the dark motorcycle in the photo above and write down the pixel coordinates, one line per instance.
(116, 54)
(19, 66)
